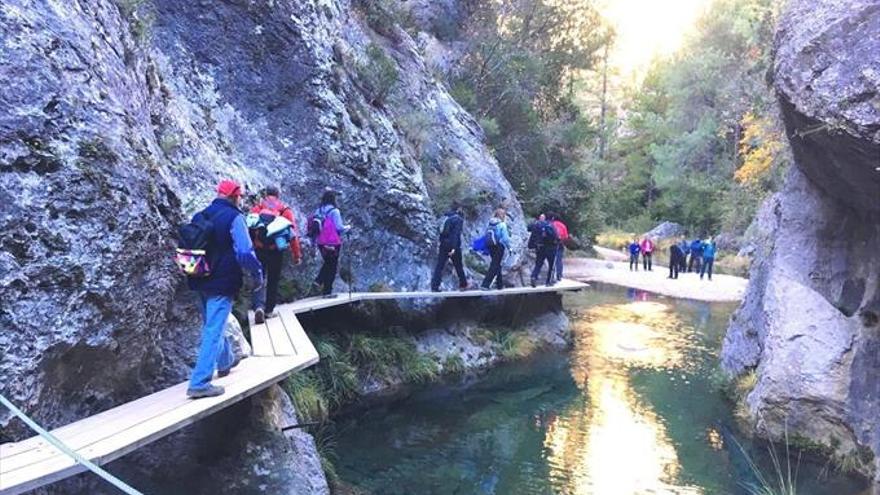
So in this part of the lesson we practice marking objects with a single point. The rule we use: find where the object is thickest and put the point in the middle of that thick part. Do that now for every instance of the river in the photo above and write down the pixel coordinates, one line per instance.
(636, 407)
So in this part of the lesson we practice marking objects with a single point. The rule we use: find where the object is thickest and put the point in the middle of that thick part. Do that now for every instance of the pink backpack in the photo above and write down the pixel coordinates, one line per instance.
(328, 236)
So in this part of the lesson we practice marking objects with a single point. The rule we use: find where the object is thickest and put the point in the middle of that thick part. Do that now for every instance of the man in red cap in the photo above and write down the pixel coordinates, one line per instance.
(230, 250)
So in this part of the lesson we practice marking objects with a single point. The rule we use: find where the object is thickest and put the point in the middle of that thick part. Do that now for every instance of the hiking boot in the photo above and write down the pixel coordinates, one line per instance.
(464, 288)
(259, 316)
(483, 287)
(534, 282)
(435, 289)
(329, 296)
(271, 314)
(222, 373)
(209, 391)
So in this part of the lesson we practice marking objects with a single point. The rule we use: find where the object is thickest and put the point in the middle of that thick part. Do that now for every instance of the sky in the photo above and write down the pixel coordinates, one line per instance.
(646, 28)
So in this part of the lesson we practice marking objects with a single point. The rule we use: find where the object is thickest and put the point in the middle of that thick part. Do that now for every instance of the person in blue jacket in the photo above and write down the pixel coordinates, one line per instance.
(696, 259)
(708, 258)
(634, 250)
(685, 248)
(231, 251)
(496, 251)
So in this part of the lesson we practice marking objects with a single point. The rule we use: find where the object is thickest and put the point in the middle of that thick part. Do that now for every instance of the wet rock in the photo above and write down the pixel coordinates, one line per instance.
(805, 324)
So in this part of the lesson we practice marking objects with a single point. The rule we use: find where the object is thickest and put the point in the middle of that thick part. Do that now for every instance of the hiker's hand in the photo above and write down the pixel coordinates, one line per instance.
(298, 261)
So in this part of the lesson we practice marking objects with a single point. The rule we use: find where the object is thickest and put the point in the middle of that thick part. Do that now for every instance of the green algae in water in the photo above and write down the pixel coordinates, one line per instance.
(633, 408)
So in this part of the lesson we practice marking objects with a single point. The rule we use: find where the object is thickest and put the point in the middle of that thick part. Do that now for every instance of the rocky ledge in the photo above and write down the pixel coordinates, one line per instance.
(808, 327)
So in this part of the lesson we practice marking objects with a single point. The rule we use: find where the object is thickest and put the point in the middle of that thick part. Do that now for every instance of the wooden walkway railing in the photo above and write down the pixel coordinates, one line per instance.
(280, 347)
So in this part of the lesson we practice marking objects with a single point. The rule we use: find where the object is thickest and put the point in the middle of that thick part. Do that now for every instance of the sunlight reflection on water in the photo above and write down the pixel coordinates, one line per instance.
(616, 443)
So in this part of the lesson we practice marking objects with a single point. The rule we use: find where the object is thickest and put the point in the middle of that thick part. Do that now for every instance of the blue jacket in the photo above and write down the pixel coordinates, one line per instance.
(697, 247)
(634, 248)
(231, 250)
(708, 250)
(684, 246)
(502, 232)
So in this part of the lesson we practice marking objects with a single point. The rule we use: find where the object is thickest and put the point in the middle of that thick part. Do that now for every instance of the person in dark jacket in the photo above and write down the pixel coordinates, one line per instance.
(450, 248)
(546, 241)
(634, 250)
(675, 256)
(696, 260)
(230, 252)
(685, 248)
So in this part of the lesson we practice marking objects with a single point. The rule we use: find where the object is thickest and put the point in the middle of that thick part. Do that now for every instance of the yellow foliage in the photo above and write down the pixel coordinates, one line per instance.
(759, 147)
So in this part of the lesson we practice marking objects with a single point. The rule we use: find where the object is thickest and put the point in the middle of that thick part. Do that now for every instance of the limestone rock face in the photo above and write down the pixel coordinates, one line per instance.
(809, 322)
(118, 118)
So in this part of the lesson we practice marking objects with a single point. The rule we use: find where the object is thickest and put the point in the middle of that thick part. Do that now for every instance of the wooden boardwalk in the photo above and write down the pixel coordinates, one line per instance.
(280, 347)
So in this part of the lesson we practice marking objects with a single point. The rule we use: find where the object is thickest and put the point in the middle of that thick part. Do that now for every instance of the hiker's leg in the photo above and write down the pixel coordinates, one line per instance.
(493, 268)
(702, 270)
(259, 297)
(332, 270)
(650, 261)
(458, 264)
(560, 251)
(272, 267)
(551, 264)
(498, 276)
(325, 277)
(710, 263)
(442, 256)
(217, 310)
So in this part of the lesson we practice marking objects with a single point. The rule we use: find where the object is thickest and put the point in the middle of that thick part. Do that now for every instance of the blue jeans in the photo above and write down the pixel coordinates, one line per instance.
(215, 350)
(559, 252)
(707, 267)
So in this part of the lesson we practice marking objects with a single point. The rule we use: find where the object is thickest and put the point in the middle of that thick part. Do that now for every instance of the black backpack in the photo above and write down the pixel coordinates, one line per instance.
(547, 234)
(194, 246)
(197, 234)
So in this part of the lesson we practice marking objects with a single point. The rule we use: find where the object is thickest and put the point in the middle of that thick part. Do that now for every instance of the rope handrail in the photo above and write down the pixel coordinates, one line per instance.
(58, 444)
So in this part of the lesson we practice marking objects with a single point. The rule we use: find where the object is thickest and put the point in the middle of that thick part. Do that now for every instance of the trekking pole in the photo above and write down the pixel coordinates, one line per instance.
(348, 260)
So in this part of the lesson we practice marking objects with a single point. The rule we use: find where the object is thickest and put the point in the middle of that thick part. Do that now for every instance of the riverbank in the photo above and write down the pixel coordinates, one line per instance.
(688, 285)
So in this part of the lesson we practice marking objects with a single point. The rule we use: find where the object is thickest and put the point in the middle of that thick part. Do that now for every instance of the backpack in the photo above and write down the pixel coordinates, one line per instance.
(194, 246)
(492, 234)
(269, 228)
(547, 235)
(327, 234)
(315, 223)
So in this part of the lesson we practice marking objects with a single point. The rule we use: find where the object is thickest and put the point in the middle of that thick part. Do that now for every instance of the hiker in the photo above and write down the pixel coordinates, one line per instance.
(675, 257)
(545, 240)
(497, 241)
(647, 249)
(708, 258)
(450, 248)
(562, 233)
(230, 251)
(696, 260)
(326, 230)
(273, 230)
(634, 249)
(685, 248)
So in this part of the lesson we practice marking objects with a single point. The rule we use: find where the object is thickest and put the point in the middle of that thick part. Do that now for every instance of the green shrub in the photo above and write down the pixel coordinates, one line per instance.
(515, 345)
(453, 365)
(378, 74)
(305, 390)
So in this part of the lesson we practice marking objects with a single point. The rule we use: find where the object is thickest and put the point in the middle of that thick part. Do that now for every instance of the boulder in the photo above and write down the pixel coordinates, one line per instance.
(666, 230)
(809, 322)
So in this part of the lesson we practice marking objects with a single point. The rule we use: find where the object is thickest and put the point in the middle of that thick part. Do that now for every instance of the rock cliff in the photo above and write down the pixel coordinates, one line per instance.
(119, 116)
(809, 325)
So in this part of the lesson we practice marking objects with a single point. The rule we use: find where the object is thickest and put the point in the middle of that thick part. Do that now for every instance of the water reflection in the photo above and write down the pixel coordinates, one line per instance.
(613, 442)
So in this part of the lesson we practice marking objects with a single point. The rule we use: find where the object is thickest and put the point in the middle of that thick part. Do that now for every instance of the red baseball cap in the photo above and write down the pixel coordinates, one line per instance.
(229, 188)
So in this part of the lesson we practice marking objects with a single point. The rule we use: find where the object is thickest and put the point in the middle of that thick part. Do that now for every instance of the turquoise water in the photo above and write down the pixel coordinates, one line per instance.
(634, 408)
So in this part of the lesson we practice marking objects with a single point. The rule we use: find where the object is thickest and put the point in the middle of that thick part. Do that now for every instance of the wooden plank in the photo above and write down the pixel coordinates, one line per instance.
(297, 334)
(113, 421)
(280, 341)
(259, 374)
(261, 343)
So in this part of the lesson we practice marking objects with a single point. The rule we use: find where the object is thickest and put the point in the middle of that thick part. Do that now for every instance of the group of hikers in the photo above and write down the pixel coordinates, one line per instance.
(685, 256)
(220, 243)
(548, 236)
